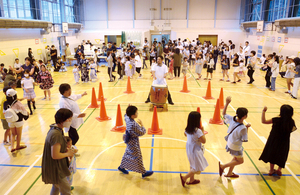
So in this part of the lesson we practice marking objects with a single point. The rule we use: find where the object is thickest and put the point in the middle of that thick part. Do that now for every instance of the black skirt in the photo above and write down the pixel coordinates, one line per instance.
(210, 70)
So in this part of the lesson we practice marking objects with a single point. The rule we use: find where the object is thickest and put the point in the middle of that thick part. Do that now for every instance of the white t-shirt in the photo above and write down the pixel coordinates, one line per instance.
(28, 83)
(138, 63)
(246, 50)
(275, 69)
(160, 72)
(17, 65)
(180, 47)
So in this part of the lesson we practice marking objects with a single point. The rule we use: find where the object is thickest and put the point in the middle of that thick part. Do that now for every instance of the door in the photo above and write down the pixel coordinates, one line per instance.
(62, 45)
(166, 38)
(158, 38)
(212, 38)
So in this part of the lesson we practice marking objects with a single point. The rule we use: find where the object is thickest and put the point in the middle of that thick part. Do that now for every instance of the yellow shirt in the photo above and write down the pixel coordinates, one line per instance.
(1, 108)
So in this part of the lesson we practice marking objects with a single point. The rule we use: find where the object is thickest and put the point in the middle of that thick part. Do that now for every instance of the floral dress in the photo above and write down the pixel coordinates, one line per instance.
(84, 70)
(45, 79)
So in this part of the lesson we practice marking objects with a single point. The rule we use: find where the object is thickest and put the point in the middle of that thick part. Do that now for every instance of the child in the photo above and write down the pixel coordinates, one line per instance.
(84, 67)
(120, 67)
(93, 67)
(109, 61)
(128, 67)
(192, 56)
(17, 126)
(185, 66)
(132, 158)
(237, 134)
(138, 63)
(224, 63)
(195, 139)
(76, 73)
(29, 94)
(278, 145)
(199, 65)
(17, 64)
(210, 66)
(235, 64)
(275, 72)
(72, 160)
(132, 62)
(49, 66)
(45, 80)
(3, 120)
(144, 58)
(63, 68)
(171, 68)
(241, 68)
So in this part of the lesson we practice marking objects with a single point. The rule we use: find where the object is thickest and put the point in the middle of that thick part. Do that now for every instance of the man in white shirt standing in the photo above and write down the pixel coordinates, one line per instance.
(159, 73)
(69, 101)
(246, 50)
(180, 47)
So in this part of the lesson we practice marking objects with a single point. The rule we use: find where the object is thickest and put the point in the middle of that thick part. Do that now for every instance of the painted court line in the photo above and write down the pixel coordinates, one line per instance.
(116, 170)
(23, 175)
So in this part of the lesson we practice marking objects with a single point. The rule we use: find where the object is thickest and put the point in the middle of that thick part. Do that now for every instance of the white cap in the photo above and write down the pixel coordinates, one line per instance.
(11, 92)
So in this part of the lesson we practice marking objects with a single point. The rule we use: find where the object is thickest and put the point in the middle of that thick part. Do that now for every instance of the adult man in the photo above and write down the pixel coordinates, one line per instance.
(104, 48)
(146, 45)
(246, 50)
(53, 54)
(180, 47)
(68, 53)
(159, 73)
(159, 49)
(166, 53)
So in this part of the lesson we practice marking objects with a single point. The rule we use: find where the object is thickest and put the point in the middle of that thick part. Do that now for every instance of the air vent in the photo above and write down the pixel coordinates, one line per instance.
(167, 9)
(152, 9)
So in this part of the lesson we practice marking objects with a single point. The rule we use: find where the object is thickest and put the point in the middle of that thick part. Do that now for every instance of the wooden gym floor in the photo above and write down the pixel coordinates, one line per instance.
(102, 150)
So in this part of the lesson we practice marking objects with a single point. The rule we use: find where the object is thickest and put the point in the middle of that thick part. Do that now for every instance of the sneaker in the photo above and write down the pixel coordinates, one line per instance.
(123, 170)
(287, 92)
(233, 82)
(147, 174)
(72, 188)
(44, 98)
(227, 80)
(147, 101)
(6, 143)
(239, 80)
(293, 96)
(172, 103)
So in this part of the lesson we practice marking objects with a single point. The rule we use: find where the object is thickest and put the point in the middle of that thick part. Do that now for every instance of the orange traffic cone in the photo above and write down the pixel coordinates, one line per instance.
(103, 116)
(94, 101)
(100, 93)
(221, 98)
(217, 116)
(185, 87)
(208, 92)
(155, 127)
(119, 122)
(198, 110)
(128, 90)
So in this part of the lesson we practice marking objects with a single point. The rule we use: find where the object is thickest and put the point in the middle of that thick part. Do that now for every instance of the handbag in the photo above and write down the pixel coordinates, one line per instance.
(227, 136)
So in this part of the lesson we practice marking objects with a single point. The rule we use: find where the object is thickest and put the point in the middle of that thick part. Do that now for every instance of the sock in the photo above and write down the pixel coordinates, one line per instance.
(29, 106)
(33, 104)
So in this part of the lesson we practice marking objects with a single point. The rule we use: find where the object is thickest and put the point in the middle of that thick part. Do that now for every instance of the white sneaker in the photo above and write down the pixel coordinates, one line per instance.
(6, 143)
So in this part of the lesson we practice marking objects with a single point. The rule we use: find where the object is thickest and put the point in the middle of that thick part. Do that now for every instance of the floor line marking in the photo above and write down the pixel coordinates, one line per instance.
(23, 175)
(151, 155)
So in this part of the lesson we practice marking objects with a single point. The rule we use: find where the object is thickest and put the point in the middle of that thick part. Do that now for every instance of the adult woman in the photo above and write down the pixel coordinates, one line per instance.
(30, 54)
(109, 61)
(78, 54)
(152, 54)
(9, 77)
(55, 156)
(215, 55)
(289, 75)
(177, 62)
(17, 126)
(46, 82)
(251, 66)
(269, 72)
(235, 65)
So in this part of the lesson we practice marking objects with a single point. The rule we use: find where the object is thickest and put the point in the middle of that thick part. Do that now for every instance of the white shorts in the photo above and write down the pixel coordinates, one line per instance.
(16, 124)
(236, 69)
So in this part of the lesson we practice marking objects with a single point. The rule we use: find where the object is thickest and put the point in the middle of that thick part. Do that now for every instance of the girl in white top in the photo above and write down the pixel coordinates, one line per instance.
(275, 71)
(242, 68)
(128, 67)
(237, 134)
(289, 75)
(93, 67)
(138, 63)
(199, 65)
(76, 73)
(29, 94)
(194, 149)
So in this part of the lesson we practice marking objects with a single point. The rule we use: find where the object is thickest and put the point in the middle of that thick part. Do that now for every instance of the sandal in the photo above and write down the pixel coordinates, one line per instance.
(21, 147)
(273, 172)
(279, 173)
(232, 176)
(196, 181)
(220, 169)
(13, 150)
(182, 181)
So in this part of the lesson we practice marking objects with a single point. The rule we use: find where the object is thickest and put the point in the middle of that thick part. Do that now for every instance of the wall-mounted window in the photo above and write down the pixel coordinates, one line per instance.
(72, 11)
(18, 9)
(253, 10)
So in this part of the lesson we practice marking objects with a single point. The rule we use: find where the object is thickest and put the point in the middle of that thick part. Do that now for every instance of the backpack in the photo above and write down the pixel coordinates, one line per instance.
(11, 115)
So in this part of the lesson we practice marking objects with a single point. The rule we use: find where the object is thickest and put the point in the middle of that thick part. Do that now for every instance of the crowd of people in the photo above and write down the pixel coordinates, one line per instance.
(166, 58)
